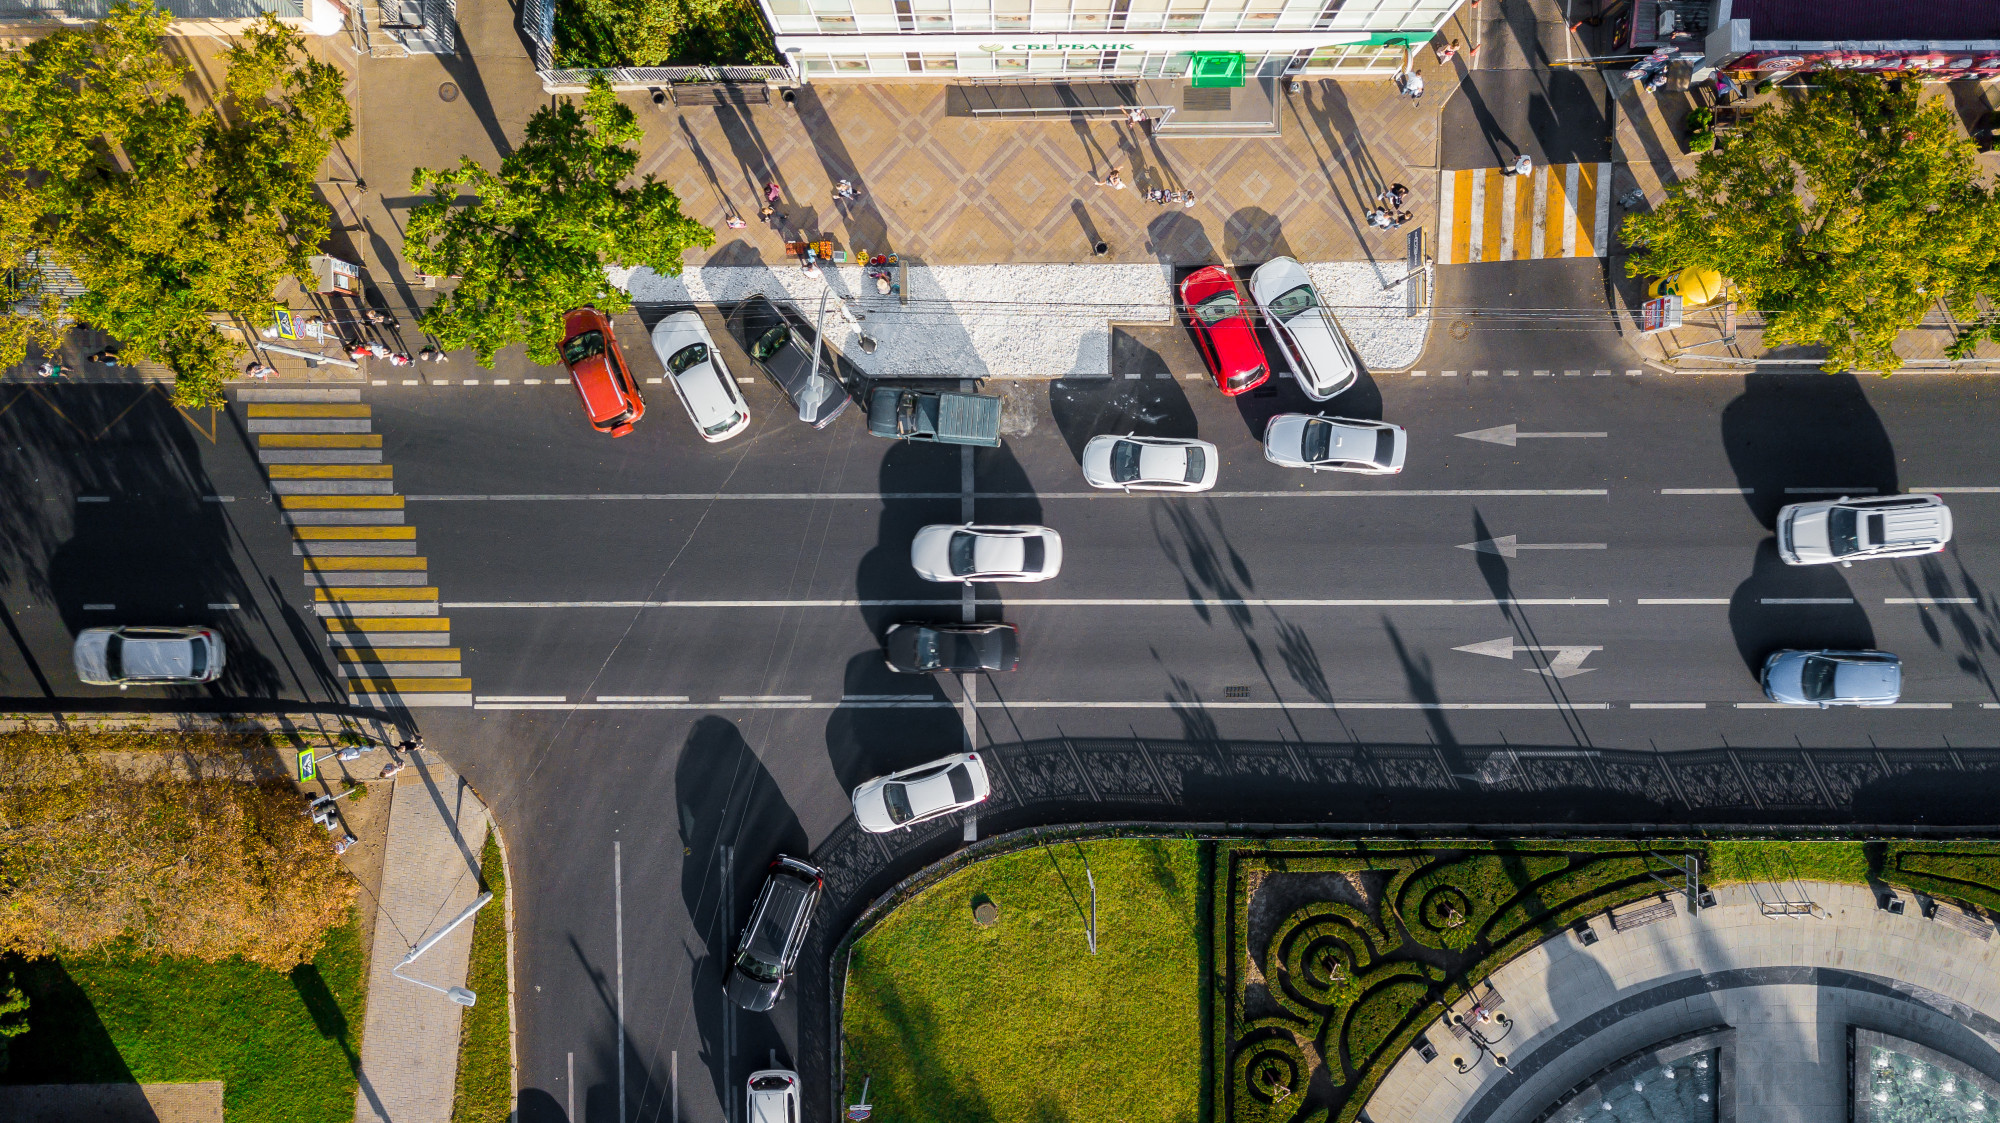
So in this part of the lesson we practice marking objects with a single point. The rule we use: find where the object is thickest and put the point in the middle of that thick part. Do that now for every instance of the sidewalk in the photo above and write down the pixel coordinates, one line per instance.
(409, 1043)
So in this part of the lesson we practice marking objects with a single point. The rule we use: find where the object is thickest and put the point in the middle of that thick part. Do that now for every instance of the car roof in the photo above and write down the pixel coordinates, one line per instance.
(779, 912)
(708, 395)
(157, 658)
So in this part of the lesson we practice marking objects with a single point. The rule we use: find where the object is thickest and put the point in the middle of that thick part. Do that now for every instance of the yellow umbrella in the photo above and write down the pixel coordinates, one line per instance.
(1696, 286)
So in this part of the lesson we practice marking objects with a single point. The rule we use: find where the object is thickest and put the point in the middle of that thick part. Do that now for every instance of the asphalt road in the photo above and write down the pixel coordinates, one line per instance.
(674, 646)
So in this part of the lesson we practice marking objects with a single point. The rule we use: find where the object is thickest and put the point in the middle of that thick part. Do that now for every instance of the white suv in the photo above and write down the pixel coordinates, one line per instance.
(1842, 530)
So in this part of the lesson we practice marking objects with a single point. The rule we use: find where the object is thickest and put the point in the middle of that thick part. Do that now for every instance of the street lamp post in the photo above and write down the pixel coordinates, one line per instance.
(459, 995)
(1480, 1041)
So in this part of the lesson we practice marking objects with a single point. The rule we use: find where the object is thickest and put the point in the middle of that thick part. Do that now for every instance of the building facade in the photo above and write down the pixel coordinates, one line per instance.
(1027, 39)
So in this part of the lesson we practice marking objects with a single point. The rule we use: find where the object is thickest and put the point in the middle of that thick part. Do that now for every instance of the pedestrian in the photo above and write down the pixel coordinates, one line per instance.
(1398, 194)
(1522, 165)
(1112, 180)
(376, 316)
(341, 844)
(1448, 51)
(50, 369)
(734, 222)
(845, 190)
(399, 359)
(1135, 116)
(1187, 200)
(1379, 219)
(390, 769)
(1156, 195)
(1411, 83)
(259, 371)
(1403, 217)
(772, 193)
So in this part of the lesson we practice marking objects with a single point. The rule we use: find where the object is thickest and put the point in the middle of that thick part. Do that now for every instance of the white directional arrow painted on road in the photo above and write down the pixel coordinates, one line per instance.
(1508, 434)
(1507, 545)
(1567, 660)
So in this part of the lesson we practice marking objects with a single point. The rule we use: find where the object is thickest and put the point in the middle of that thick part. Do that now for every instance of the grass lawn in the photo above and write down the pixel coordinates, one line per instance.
(284, 1044)
(485, 1066)
(1761, 860)
(1019, 1021)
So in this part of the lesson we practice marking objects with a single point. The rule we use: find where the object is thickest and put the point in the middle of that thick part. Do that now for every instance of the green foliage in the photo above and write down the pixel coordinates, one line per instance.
(166, 213)
(1843, 217)
(1957, 871)
(1703, 141)
(610, 33)
(1381, 1013)
(1738, 860)
(13, 1016)
(485, 1060)
(1700, 119)
(1019, 1020)
(285, 1044)
(533, 241)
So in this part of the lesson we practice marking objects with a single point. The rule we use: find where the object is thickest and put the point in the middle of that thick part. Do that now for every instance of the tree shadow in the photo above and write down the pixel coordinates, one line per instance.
(1761, 627)
(1815, 434)
(1975, 627)
(66, 1042)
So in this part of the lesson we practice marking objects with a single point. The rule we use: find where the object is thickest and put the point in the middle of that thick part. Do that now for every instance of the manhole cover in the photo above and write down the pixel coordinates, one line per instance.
(1236, 692)
(986, 914)
(1460, 329)
(447, 92)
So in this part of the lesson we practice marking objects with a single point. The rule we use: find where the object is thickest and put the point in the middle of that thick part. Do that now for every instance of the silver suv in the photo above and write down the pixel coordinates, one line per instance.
(1843, 530)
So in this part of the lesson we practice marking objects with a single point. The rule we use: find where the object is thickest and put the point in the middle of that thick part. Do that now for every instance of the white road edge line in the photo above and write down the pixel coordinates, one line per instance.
(618, 911)
(1054, 602)
(1707, 490)
(999, 704)
(1805, 600)
(1930, 600)
(1669, 705)
(642, 697)
(868, 496)
(1956, 490)
(521, 698)
(1683, 600)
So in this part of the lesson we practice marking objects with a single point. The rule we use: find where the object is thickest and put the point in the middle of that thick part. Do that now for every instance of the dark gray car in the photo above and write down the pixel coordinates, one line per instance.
(918, 649)
(781, 344)
(770, 944)
(1833, 678)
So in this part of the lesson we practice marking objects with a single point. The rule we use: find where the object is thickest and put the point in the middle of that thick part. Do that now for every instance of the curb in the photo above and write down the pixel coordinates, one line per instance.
(223, 721)
(513, 1002)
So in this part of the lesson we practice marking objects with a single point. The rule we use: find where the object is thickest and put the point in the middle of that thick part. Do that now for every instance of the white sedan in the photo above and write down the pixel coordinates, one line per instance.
(1307, 336)
(695, 368)
(123, 657)
(927, 791)
(986, 553)
(1335, 444)
(1149, 463)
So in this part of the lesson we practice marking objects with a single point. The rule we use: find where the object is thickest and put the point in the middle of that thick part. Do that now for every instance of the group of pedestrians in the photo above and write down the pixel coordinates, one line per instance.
(1389, 212)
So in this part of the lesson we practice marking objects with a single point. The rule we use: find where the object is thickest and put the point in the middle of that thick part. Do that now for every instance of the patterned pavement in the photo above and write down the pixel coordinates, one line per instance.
(961, 190)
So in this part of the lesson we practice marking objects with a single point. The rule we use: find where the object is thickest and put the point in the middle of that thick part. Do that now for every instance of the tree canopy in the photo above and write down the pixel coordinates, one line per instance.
(607, 33)
(1843, 216)
(166, 213)
(534, 241)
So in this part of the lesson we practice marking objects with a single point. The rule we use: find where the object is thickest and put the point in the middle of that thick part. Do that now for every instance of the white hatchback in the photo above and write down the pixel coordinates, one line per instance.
(1307, 336)
(1149, 463)
(1335, 444)
(703, 383)
(906, 798)
(986, 553)
(773, 1096)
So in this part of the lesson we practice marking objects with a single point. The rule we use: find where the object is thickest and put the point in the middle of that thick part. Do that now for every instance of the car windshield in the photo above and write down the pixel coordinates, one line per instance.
(961, 784)
(1219, 307)
(1293, 302)
(724, 425)
(583, 346)
(769, 1084)
(962, 546)
(1032, 554)
(897, 799)
(770, 343)
(1816, 678)
(1197, 466)
(114, 656)
(1125, 461)
(756, 968)
(693, 355)
(197, 659)
(1318, 439)
(927, 650)
(1245, 378)
(1385, 446)
(1842, 534)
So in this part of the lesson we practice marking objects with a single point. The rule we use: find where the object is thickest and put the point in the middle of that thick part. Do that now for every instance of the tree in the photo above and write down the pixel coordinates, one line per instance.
(185, 857)
(13, 1015)
(534, 241)
(608, 33)
(165, 213)
(1843, 216)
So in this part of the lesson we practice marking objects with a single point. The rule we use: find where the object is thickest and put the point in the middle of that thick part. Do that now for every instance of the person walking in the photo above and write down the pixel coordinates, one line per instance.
(1379, 219)
(1112, 180)
(1447, 52)
(1523, 165)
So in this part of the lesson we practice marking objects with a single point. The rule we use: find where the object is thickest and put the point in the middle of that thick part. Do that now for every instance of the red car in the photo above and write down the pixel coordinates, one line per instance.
(602, 376)
(1215, 309)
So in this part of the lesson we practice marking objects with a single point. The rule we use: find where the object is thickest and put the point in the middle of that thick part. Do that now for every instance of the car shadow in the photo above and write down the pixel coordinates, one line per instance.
(1149, 406)
(888, 721)
(1792, 606)
(1791, 438)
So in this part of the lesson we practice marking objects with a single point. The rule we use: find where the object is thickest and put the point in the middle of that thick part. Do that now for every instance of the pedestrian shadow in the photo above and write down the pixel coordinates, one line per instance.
(1790, 606)
(1359, 178)
(866, 224)
(1791, 438)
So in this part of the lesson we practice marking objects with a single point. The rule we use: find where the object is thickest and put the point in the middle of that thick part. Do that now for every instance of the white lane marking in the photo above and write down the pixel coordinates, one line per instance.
(510, 382)
(1683, 600)
(653, 381)
(1831, 490)
(225, 606)
(1447, 374)
(1419, 374)
(520, 698)
(767, 698)
(413, 382)
(1707, 490)
(1572, 374)
(1509, 434)
(642, 697)
(889, 698)
(1480, 373)
(1132, 376)
(99, 607)
(1806, 600)
(1634, 373)
(1052, 602)
(1600, 374)
(218, 499)
(1930, 600)
(531, 382)
(1510, 189)
(1669, 705)
(93, 499)
(933, 704)
(1541, 374)
(618, 912)
(463, 382)
(381, 382)
(747, 381)
(1447, 198)
(1510, 374)
(972, 828)
(1958, 490)
(867, 496)
(1600, 230)
(1508, 545)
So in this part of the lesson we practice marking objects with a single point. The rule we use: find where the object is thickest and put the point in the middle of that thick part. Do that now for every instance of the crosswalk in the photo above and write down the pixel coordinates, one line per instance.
(1561, 210)
(369, 586)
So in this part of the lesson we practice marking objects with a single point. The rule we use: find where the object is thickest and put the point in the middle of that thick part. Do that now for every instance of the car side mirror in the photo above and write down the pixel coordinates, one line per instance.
(1847, 565)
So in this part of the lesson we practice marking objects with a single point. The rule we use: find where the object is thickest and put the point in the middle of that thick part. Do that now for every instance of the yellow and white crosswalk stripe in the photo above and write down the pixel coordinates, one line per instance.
(1560, 210)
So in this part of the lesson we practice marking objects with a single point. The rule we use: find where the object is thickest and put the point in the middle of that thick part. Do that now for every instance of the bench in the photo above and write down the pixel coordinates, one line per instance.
(1642, 915)
(719, 93)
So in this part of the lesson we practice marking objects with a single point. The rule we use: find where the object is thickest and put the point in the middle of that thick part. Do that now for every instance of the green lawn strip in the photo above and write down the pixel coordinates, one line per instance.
(1732, 861)
(1020, 1021)
(284, 1044)
(485, 1062)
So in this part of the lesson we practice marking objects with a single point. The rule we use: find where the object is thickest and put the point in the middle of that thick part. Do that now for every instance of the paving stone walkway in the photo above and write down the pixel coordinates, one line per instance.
(409, 1041)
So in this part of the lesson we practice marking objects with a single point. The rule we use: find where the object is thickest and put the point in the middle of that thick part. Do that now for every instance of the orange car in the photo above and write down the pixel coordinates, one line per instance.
(602, 376)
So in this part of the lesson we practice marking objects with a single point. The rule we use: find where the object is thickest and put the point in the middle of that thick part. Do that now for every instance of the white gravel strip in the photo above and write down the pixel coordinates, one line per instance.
(1022, 321)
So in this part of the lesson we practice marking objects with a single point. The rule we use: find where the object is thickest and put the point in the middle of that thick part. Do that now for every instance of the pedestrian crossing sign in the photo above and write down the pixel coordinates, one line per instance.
(287, 329)
(306, 769)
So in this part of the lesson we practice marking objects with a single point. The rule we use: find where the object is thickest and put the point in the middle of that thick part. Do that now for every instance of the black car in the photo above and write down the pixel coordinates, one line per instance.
(916, 649)
(781, 343)
(770, 944)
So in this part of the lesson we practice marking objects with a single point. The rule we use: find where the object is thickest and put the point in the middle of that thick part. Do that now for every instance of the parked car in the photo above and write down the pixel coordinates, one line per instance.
(1215, 310)
(973, 552)
(1845, 530)
(1137, 463)
(695, 368)
(782, 343)
(920, 649)
(132, 656)
(773, 1096)
(1307, 336)
(769, 947)
(945, 416)
(598, 370)
(1833, 678)
(1335, 444)
(909, 797)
